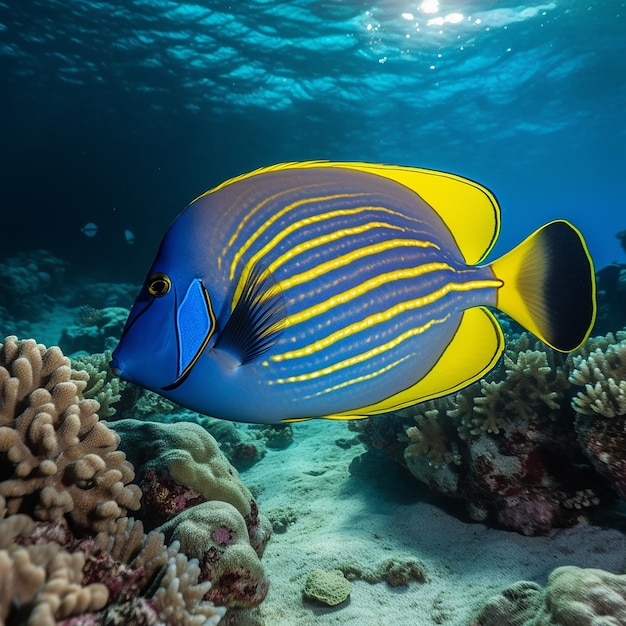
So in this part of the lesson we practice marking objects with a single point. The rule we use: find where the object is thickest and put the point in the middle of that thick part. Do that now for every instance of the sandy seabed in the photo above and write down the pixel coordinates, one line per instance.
(367, 516)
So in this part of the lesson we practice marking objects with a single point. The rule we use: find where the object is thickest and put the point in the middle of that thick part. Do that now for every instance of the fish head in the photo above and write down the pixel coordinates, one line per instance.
(169, 326)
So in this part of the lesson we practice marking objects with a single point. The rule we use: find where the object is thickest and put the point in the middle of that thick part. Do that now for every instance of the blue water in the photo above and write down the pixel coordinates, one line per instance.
(119, 113)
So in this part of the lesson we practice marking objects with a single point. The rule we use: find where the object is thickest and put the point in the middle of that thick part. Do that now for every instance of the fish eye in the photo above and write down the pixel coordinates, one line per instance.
(159, 284)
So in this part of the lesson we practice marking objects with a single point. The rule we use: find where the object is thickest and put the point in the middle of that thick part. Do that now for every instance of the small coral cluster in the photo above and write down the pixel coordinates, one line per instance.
(67, 549)
(329, 587)
(509, 445)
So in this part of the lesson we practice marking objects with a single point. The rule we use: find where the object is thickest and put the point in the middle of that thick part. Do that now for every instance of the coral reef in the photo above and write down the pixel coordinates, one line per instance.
(197, 497)
(506, 445)
(58, 458)
(601, 406)
(69, 554)
(29, 280)
(572, 597)
(327, 586)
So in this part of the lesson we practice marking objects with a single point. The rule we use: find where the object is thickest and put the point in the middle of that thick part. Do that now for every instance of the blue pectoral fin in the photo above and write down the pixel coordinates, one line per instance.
(195, 325)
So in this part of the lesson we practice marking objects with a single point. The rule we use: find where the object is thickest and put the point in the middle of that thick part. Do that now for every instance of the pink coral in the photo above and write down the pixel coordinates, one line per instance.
(222, 536)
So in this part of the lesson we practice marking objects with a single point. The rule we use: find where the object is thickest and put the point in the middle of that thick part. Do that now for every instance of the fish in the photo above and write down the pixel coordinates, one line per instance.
(129, 236)
(343, 290)
(90, 229)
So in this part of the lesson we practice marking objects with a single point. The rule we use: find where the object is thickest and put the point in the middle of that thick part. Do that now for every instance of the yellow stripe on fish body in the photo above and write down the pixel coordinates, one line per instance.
(343, 290)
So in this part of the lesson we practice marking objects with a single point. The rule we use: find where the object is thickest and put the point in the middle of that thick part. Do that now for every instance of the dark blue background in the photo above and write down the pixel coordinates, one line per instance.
(120, 113)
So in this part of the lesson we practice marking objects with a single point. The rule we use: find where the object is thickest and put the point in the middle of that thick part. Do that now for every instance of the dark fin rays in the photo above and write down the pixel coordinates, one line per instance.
(256, 321)
(549, 285)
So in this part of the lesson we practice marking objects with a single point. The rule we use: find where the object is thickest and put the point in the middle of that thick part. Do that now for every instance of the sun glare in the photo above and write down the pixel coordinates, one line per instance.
(429, 6)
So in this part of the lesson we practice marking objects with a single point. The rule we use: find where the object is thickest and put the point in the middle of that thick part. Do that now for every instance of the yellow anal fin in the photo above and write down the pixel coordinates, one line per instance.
(473, 351)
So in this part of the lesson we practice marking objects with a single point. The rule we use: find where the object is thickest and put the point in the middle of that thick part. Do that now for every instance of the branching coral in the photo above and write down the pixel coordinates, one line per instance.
(506, 445)
(603, 375)
(43, 581)
(531, 388)
(120, 577)
(62, 480)
(601, 407)
(428, 437)
(57, 456)
(101, 386)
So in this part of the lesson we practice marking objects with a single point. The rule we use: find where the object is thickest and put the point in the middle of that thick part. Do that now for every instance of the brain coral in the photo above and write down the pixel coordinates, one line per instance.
(56, 457)
(327, 586)
(215, 533)
(572, 597)
(183, 466)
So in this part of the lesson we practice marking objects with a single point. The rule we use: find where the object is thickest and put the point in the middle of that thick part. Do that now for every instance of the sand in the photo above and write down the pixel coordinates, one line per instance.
(376, 512)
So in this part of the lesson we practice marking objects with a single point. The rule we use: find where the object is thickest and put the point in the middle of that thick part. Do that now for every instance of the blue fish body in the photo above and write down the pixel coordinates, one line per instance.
(342, 290)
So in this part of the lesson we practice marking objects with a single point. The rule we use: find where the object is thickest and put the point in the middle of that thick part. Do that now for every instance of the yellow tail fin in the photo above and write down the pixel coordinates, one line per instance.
(549, 285)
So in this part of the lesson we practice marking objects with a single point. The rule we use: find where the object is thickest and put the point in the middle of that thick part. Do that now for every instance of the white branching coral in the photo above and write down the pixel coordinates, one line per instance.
(602, 373)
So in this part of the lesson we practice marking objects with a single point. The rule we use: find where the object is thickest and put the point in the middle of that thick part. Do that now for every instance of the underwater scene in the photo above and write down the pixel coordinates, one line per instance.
(313, 313)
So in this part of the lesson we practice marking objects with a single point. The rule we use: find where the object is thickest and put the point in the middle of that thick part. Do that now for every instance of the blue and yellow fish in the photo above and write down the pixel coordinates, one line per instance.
(343, 290)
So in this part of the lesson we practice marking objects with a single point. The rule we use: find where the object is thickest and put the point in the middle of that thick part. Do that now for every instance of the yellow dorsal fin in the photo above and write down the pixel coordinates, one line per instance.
(473, 351)
(470, 210)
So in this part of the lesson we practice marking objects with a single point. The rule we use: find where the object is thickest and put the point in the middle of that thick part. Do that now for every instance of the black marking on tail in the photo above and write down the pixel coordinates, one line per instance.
(569, 286)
